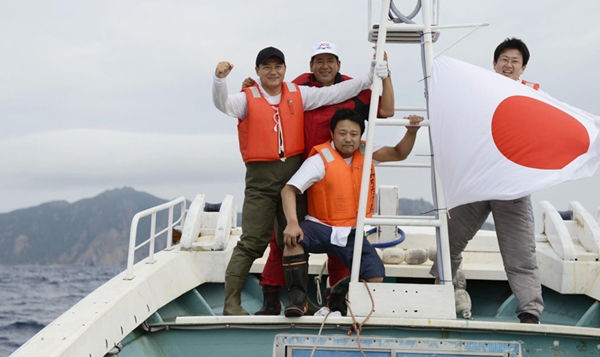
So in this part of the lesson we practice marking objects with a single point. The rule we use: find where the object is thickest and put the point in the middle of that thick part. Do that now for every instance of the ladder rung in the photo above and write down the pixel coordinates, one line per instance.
(387, 216)
(398, 122)
(400, 221)
(410, 109)
(403, 164)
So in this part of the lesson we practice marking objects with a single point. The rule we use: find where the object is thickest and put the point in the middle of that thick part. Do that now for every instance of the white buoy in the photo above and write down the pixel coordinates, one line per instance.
(460, 281)
(463, 303)
(415, 256)
(379, 252)
(393, 255)
(431, 253)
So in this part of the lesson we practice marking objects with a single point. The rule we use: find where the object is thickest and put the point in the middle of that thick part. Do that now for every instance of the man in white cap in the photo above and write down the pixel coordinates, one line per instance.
(324, 71)
(271, 136)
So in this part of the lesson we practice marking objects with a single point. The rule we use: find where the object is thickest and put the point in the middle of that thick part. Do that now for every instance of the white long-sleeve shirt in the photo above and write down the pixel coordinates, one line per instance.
(236, 105)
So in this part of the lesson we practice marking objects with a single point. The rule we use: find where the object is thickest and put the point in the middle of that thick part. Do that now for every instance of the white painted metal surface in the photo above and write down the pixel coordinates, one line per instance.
(103, 318)
(386, 322)
(192, 225)
(388, 205)
(287, 344)
(568, 277)
(587, 229)
(578, 270)
(419, 301)
(227, 217)
(557, 233)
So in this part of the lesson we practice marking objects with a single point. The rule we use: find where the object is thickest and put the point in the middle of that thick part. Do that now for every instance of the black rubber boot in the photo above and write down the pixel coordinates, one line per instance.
(312, 308)
(336, 296)
(271, 303)
(295, 268)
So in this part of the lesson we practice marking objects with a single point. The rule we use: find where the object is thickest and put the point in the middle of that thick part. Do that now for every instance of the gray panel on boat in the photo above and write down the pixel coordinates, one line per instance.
(345, 346)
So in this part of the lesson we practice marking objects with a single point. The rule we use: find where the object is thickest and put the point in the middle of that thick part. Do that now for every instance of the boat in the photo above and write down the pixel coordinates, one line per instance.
(170, 303)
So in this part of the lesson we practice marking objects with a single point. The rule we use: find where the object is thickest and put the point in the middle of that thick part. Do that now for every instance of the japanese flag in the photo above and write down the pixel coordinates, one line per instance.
(495, 138)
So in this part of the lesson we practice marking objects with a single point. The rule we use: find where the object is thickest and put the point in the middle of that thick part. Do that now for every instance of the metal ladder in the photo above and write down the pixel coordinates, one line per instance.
(417, 300)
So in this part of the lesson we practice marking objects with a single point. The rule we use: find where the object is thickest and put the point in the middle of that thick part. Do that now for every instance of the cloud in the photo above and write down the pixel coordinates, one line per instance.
(96, 95)
(91, 160)
(106, 155)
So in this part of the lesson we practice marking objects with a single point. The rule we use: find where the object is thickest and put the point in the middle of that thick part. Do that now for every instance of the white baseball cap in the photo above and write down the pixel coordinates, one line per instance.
(325, 47)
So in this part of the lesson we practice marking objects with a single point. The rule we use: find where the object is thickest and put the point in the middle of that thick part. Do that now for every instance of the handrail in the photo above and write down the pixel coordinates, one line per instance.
(169, 229)
(399, 122)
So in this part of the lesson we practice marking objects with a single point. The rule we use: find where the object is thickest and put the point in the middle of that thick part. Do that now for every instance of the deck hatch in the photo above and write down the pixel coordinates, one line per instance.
(342, 345)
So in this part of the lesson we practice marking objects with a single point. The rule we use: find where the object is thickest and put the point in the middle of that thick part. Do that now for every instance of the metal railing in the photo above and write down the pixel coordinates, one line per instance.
(169, 230)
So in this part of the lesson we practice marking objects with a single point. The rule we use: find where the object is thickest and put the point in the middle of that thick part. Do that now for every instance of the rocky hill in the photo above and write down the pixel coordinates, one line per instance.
(93, 231)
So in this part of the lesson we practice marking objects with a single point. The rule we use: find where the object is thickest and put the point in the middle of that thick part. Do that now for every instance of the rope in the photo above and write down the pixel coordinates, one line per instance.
(435, 210)
(319, 335)
(318, 280)
(355, 325)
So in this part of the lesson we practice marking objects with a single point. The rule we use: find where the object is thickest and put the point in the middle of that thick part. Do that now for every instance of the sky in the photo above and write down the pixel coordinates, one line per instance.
(96, 95)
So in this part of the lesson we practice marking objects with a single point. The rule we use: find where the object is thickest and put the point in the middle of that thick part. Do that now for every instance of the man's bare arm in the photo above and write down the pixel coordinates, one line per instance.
(386, 107)
(404, 146)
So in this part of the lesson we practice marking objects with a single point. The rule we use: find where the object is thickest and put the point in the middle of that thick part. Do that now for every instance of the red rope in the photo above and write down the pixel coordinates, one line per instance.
(355, 325)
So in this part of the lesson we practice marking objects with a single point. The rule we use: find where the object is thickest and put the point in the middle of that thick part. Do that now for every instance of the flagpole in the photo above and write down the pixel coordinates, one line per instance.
(443, 253)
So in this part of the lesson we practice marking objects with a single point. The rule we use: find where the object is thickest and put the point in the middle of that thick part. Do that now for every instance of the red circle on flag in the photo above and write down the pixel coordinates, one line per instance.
(534, 134)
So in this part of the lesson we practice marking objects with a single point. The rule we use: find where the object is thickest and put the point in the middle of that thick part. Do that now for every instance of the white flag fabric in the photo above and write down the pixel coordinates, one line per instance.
(495, 138)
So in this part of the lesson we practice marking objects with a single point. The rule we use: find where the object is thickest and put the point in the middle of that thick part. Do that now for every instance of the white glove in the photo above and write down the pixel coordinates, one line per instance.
(382, 70)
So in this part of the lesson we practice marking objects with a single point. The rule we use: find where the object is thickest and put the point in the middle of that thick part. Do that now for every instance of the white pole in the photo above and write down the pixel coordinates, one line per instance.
(364, 187)
(170, 228)
(152, 238)
(442, 229)
(131, 253)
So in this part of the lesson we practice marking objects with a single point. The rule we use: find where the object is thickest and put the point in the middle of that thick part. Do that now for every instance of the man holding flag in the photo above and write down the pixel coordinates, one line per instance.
(513, 218)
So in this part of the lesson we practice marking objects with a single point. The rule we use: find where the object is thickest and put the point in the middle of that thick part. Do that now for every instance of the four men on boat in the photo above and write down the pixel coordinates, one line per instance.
(273, 137)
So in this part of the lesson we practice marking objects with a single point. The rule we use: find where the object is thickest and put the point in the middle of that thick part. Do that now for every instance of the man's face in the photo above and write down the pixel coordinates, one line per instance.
(346, 137)
(510, 64)
(271, 73)
(325, 67)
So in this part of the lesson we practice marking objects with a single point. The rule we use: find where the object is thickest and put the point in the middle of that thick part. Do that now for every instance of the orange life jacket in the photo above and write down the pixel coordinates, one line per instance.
(259, 133)
(334, 199)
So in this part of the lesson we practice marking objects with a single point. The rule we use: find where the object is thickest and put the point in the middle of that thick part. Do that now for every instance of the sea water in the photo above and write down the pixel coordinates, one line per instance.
(33, 296)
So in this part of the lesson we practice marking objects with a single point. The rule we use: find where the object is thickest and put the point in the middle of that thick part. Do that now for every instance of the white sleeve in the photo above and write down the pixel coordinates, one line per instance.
(311, 171)
(315, 97)
(376, 147)
(235, 105)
